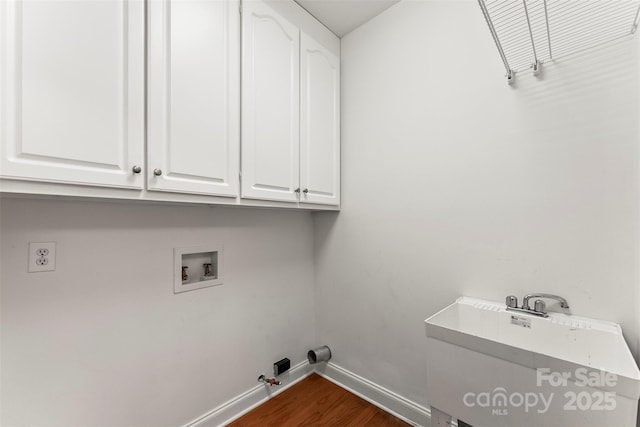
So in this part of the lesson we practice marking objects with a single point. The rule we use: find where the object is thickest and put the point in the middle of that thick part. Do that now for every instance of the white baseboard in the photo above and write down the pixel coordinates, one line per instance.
(383, 398)
(240, 405)
(386, 400)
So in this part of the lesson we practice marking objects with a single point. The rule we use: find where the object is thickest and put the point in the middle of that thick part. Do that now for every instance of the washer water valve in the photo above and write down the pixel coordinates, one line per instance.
(270, 381)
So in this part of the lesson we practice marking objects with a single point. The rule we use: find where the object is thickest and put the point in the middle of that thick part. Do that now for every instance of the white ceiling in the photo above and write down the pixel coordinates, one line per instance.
(342, 16)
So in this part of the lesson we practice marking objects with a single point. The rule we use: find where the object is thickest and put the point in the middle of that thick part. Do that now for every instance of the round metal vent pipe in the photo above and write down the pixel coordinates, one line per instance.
(320, 354)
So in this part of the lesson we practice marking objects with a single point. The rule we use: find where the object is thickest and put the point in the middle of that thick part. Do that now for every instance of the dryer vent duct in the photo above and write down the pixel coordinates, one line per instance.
(320, 354)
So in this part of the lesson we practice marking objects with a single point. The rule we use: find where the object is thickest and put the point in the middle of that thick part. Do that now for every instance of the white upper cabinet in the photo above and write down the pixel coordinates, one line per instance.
(194, 96)
(319, 123)
(148, 99)
(270, 104)
(72, 100)
(290, 109)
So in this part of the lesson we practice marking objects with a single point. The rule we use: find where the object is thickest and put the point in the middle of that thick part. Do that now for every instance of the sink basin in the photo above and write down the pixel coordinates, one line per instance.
(477, 346)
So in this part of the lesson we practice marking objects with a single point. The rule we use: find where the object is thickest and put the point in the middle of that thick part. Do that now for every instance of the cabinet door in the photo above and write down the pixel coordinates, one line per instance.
(270, 110)
(319, 123)
(72, 101)
(194, 95)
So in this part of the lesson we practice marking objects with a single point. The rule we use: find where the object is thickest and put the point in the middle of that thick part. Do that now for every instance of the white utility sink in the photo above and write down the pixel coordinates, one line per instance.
(484, 362)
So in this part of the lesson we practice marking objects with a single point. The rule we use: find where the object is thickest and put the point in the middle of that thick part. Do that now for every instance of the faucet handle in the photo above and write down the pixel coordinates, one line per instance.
(512, 301)
(540, 306)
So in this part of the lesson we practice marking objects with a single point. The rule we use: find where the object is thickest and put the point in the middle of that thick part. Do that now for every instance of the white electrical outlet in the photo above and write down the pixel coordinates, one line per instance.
(42, 256)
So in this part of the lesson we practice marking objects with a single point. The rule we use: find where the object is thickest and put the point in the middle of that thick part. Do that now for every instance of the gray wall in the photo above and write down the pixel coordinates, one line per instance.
(456, 184)
(453, 184)
(103, 340)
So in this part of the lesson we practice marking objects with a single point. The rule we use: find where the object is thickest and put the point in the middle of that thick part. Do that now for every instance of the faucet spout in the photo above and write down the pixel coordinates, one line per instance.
(525, 302)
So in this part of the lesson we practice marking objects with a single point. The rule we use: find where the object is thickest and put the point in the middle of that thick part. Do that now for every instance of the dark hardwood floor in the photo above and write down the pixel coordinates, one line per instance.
(317, 402)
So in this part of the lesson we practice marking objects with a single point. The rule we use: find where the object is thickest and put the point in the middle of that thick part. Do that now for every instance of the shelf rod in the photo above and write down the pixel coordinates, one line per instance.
(635, 21)
(492, 29)
(546, 20)
(501, 15)
(533, 44)
(501, 8)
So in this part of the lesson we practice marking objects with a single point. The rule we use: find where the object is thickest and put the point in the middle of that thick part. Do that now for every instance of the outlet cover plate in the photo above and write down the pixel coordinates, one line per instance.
(40, 262)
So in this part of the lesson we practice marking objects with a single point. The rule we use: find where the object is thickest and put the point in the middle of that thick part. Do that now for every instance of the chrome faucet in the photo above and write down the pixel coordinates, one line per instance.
(539, 307)
(525, 301)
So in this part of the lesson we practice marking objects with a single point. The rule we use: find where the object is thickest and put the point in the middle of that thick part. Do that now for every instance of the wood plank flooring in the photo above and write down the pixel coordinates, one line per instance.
(317, 402)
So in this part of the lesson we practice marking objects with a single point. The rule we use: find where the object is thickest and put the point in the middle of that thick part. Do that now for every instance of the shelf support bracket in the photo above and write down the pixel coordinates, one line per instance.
(536, 67)
(510, 73)
(536, 63)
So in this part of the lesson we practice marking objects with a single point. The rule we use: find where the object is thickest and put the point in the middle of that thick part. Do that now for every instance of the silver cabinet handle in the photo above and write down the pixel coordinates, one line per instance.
(136, 169)
(297, 190)
(157, 172)
(305, 191)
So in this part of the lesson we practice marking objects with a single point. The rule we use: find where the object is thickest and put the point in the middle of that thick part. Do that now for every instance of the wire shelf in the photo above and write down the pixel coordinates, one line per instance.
(529, 33)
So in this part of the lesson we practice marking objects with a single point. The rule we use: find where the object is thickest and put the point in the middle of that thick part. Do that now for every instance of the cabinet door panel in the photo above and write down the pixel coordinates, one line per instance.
(194, 94)
(319, 123)
(270, 104)
(72, 73)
